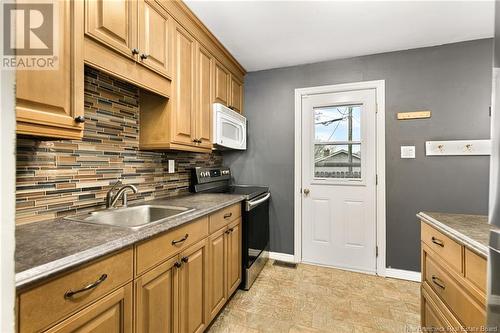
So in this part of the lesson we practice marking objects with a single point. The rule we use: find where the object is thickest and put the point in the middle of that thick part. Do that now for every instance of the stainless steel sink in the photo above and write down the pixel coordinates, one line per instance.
(134, 217)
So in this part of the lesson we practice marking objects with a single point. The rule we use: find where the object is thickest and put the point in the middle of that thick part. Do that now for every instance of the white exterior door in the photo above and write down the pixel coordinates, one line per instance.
(339, 179)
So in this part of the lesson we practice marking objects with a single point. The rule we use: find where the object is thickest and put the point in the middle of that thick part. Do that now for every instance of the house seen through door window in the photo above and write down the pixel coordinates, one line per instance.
(337, 142)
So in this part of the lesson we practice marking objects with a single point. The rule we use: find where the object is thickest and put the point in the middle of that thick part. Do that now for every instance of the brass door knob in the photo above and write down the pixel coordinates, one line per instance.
(306, 191)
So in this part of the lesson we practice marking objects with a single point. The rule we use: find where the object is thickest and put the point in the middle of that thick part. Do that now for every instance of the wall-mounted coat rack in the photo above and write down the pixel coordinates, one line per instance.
(458, 147)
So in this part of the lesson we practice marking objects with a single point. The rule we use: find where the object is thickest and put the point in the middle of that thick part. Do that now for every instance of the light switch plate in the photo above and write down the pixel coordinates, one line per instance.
(171, 166)
(407, 151)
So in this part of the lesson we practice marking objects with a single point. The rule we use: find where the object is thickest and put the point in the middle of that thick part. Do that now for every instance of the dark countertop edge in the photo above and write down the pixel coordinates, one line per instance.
(468, 242)
(30, 277)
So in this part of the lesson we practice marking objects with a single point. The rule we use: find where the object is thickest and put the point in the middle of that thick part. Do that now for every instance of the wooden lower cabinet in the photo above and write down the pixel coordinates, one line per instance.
(111, 314)
(156, 296)
(434, 316)
(180, 291)
(217, 268)
(224, 265)
(453, 284)
(234, 256)
(193, 288)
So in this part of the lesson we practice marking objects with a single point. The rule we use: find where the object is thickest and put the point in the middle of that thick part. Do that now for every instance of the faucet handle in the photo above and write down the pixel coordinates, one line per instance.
(110, 193)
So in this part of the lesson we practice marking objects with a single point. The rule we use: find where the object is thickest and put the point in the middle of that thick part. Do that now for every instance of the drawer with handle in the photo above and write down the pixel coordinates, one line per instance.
(462, 305)
(154, 251)
(222, 217)
(50, 302)
(449, 250)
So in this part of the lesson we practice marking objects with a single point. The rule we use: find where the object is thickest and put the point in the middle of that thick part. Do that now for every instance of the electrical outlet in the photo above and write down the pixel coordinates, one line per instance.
(171, 166)
(407, 151)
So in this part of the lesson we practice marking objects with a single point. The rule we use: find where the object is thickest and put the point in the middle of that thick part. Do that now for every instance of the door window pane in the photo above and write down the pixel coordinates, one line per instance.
(337, 123)
(337, 144)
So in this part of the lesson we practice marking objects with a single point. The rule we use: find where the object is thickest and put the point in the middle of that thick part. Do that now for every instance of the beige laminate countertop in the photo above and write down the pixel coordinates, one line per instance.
(472, 231)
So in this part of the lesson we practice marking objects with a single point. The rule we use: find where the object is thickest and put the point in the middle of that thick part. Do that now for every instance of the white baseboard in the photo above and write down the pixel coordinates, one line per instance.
(403, 274)
(281, 256)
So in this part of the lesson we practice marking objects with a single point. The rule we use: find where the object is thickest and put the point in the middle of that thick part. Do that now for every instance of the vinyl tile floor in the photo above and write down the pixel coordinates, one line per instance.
(318, 299)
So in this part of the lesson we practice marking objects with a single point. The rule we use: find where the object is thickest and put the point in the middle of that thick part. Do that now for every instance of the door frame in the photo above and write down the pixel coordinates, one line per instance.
(379, 86)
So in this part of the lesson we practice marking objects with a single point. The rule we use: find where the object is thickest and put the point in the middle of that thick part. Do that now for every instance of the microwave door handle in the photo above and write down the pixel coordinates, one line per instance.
(243, 134)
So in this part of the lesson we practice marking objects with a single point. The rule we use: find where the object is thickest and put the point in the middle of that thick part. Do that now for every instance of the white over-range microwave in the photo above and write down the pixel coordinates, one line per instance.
(230, 128)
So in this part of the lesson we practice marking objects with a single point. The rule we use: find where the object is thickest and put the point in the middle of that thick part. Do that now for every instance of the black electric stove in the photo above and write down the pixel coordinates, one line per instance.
(255, 238)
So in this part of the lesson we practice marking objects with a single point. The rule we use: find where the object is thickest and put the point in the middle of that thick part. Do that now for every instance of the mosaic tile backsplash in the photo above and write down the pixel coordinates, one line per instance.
(66, 177)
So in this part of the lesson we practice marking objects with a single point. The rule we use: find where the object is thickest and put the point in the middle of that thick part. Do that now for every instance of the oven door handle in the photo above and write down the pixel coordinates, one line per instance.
(252, 204)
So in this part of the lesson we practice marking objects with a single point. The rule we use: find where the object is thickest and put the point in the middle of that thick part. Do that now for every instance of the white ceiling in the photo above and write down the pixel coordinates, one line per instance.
(271, 34)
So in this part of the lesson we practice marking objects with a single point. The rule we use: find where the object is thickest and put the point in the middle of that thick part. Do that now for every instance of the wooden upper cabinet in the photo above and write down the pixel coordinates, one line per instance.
(222, 82)
(49, 103)
(236, 95)
(156, 293)
(112, 314)
(205, 97)
(193, 288)
(113, 23)
(154, 37)
(184, 88)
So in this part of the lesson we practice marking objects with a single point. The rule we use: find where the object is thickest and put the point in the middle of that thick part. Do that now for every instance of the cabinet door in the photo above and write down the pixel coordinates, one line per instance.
(236, 100)
(113, 23)
(184, 85)
(205, 97)
(156, 299)
(112, 314)
(221, 84)
(154, 37)
(48, 101)
(234, 264)
(193, 288)
(216, 272)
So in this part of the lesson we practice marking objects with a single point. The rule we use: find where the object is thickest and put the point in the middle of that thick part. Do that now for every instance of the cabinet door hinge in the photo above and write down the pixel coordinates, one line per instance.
(376, 251)
(376, 179)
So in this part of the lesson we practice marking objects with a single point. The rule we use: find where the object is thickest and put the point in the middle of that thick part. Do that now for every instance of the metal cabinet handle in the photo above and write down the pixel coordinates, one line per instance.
(177, 264)
(437, 241)
(438, 282)
(80, 119)
(185, 259)
(71, 293)
(228, 215)
(144, 56)
(306, 191)
(231, 230)
(135, 51)
(180, 240)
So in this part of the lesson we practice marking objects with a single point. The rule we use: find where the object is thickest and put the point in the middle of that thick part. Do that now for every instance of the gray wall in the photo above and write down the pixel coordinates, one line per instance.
(454, 81)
